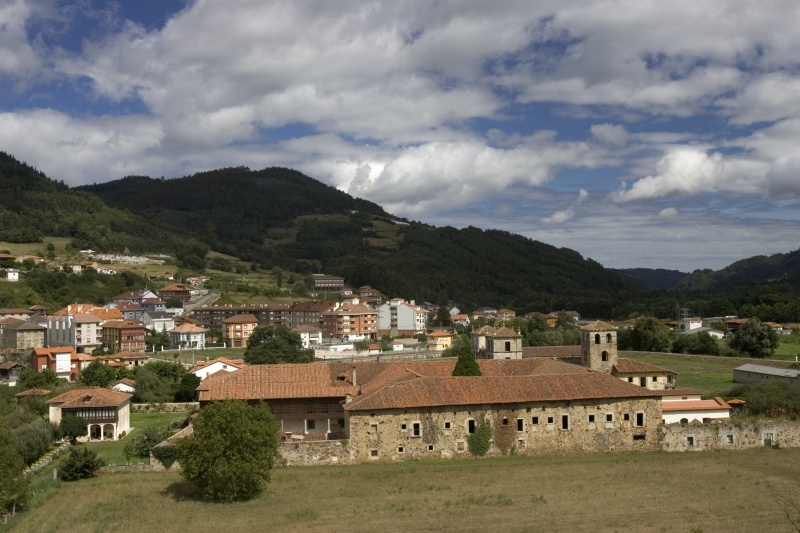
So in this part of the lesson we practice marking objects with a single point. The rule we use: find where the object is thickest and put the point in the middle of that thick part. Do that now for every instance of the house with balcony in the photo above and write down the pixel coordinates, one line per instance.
(123, 335)
(63, 360)
(351, 321)
(106, 412)
(188, 335)
(236, 330)
(179, 291)
(309, 335)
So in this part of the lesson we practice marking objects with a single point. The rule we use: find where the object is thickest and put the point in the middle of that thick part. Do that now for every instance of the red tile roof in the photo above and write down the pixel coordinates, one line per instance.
(445, 391)
(94, 397)
(696, 405)
(598, 326)
(241, 319)
(629, 366)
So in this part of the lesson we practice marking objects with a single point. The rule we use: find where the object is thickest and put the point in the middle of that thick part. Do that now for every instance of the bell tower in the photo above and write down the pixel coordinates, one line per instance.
(599, 346)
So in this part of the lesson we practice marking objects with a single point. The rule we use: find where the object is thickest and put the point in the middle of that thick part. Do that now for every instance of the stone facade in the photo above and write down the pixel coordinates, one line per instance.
(732, 435)
(534, 428)
(316, 453)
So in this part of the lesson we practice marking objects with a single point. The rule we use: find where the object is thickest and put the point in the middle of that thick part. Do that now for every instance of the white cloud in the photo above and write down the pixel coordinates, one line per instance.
(668, 213)
(559, 217)
(613, 134)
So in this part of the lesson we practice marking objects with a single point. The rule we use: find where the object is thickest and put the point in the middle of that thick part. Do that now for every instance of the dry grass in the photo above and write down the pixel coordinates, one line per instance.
(726, 491)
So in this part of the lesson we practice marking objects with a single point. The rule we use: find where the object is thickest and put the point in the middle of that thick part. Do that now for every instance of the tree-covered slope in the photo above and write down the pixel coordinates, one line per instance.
(32, 205)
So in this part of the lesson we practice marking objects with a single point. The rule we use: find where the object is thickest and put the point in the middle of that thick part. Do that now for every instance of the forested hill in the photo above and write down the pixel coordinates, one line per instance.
(32, 205)
(778, 268)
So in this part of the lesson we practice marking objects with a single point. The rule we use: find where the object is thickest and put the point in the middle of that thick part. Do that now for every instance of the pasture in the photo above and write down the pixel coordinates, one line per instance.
(659, 492)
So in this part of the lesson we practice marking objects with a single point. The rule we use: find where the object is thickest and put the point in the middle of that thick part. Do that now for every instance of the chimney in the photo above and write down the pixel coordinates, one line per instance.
(354, 377)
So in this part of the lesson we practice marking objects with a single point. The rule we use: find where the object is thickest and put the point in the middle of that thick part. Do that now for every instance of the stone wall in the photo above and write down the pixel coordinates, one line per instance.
(330, 452)
(528, 429)
(734, 435)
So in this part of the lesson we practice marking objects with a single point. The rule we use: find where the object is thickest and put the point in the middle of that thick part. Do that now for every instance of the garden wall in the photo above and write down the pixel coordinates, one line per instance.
(737, 435)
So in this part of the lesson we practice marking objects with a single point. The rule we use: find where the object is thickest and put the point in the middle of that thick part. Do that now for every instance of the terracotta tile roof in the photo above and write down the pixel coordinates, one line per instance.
(32, 392)
(439, 334)
(695, 405)
(241, 319)
(94, 397)
(11, 320)
(75, 308)
(267, 382)
(598, 325)
(629, 366)
(306, 328)
(8, 365)
(176, 287)
(485, 330)
(107, 314)
(680, 392)
(86, 318)
(126, 381)
(573, 350)
(445, 391)
(188, 327)
(238, 363)
(123, 324)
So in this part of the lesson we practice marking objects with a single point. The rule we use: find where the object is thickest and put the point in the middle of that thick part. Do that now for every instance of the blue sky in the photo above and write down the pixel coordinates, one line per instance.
(640, 134)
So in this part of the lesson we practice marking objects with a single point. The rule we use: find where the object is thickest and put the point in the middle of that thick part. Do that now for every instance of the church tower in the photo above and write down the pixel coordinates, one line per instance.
(599, 346)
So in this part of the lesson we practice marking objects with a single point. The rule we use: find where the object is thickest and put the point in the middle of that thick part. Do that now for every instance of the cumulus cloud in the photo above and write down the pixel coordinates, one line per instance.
(559, 217)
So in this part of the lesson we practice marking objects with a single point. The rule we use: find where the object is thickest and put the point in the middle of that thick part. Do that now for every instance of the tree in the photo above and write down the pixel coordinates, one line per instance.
(276, 344)
(150, 388)
(98, 375)
(443, 316)
(14, 490)
(73, 427)
(81, 463)
(31, 379)
(648, 335)
(755, 338)
(466, 364)
(232, 450)
(187, 389)
(480, 441)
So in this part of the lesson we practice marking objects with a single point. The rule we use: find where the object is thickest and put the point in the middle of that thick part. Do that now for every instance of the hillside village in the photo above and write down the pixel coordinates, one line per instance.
(379, 382)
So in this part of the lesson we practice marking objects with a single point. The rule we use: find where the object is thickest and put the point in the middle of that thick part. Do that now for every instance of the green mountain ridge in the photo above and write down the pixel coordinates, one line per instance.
(280, 217)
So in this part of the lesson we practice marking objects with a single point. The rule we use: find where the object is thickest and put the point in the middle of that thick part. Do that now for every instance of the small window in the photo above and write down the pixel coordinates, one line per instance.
(505, 421)
(564, 422)
(400, 449)
(373, 453)
(604, 356)
(610, 418)
(643, 381)
(403, 427)
(591, 419)
(430, 447)
(597, 338)
(626, 417)
(639, 419)
(447, 425)
(311, 424)
(655, 379)
(520, 424)
(470, 426)
(630, 380)
(508, 346)
(690, 441)
(730, 439)
(549, 419)
(608, 338)
(416, 429)
(535, 420)
(638, 437)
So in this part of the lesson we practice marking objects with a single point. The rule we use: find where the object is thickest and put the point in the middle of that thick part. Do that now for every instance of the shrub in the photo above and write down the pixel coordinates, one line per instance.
(480, 441)
(81, 463)
(166, 454)
(149, 438)
(73, 427)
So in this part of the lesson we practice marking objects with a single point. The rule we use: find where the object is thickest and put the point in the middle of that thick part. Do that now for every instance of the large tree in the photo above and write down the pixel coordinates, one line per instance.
(648, 335)
(276, 344)
(232, 450)
(466, 364)
(14, 490)
(755, 339)
(96, 374)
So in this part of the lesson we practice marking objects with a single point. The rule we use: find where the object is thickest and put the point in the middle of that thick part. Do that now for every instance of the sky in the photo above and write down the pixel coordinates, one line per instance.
(638, 133)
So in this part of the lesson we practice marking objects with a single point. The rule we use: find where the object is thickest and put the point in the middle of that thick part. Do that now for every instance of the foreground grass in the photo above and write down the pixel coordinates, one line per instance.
(714, 491)
(112, 451)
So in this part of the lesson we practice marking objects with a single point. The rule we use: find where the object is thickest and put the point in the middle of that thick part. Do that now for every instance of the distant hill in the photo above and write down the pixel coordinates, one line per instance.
(278, 216)
(777, 268)
(652, 278)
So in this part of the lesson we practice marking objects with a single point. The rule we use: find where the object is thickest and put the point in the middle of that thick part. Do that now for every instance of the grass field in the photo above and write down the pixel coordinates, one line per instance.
(111, 451)
(658, 492)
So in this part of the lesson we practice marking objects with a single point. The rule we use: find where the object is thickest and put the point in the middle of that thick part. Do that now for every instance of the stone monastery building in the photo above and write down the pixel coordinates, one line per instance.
(411, 410)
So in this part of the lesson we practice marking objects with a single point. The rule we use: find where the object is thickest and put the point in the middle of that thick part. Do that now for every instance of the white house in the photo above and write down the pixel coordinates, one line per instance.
(125, 385)
(11, 274)
(188, 335)
(398, 317)
(205, 369)
(158, 321)
(106, 412)
(686, 411)
(309, 335)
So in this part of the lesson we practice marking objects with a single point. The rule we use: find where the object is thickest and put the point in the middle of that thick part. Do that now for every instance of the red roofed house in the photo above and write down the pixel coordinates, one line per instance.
(687, 411)
(440, 340)
(178, 291)
(188, 335)
(205, 369)
(107, 412)
(63, 360)
(236, 330)
(124, 335)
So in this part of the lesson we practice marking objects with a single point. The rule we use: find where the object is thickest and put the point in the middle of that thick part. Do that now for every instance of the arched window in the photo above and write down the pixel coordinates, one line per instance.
(597, 338)
(684, 421)
(608, 338)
